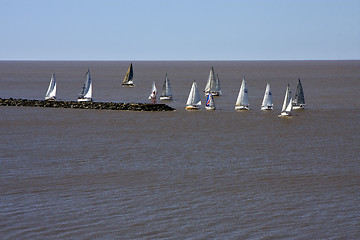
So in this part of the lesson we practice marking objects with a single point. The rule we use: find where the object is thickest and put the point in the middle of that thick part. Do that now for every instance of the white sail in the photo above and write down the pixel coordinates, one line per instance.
(194, 100)
(166, 93)
(86, 91)
(217, 85)
(153, 91)
(210, 103)
(287, 104)
(51, 92)
(213, 84)
(267, 103)
(242, 101)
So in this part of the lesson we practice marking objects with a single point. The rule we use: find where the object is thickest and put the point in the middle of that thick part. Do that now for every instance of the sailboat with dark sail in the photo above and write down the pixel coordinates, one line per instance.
(299, 100)
(128, 79)
(166, 93)
(51, 92)
(86, 91)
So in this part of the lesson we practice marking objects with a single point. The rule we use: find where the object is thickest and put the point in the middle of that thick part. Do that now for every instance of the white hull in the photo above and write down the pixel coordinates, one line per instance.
(166, 98)
(213, 93)
(241, 108)
(267, 108)
(50, 98)
(285, 114)
(210, 108)
(128, 85)
(192, 107)
(299, 107)
(84, 99)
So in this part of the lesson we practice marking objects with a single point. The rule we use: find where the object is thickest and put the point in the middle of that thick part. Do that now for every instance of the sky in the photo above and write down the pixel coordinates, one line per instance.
(179, 29)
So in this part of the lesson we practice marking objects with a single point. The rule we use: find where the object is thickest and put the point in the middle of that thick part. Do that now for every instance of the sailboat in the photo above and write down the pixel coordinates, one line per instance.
(299, 100)
(51, 92)
(213, 84)
(194, 101)
(128, 79)
(153, 92)
(86, 91)
(267, 103)
(166, 93)
(210, 104)
(287, 105)
(242, 101)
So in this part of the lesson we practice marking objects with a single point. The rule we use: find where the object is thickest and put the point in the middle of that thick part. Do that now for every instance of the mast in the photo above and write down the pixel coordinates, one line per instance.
(267, 102)
(194, 96)
(211, 83)
(86, 91)
(166, 90)
(287, 105)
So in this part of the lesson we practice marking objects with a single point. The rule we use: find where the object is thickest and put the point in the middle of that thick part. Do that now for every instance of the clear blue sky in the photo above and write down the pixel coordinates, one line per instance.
(179, 29)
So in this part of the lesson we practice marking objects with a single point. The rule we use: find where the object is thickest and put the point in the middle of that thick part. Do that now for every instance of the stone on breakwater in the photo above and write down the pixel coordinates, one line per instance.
(86, 105)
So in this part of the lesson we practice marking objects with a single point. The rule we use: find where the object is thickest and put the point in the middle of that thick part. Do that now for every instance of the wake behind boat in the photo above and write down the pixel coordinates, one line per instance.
(267, 103)
(286, 109)
(86, 91)
(242, 101)
(299, 100)
(128, 79)
(51, 92)
(194, 101)
(166, 93)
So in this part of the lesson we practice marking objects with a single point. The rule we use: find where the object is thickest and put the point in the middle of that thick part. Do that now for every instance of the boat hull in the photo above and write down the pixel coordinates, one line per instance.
(285, 114)
(166, 98)
(297, 107)
(210, 108)
(50, 98)
(192, 107)
(213, 93)
(267, 108)
(129, 84)
(240, 108)
(84, 99)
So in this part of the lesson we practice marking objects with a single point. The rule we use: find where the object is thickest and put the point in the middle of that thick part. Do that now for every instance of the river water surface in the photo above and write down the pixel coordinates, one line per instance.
(99, 174)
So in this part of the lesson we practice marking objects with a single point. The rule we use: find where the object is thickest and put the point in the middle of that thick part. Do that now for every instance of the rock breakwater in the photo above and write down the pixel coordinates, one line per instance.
(86, 105)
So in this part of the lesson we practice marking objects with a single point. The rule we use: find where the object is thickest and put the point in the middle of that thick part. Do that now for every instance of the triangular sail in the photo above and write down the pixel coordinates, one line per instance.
(194, 96)
(51, 92)
(299, 95)
(86, 91)
(211, 82)
(287, 105)
(153, 91)
(243, 98)
(267, 102)
(210, 103)
(217, 85)
(128, 79)
(166, 90)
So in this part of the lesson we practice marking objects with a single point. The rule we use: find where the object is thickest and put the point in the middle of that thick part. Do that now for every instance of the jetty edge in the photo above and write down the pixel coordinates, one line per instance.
(86, 105)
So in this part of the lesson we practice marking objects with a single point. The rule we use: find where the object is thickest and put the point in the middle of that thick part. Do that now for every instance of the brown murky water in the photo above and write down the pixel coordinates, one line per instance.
(87, 174)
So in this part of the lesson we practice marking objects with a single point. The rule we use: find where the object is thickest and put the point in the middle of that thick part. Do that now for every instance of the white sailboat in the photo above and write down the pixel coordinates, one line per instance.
(267, 103)
(153, 93)
(299, 100)
(166, 93)
(210, 104)
(213, 84)
(194, 101)
(51, 92)
(287, 104)
(128, 79)
(86, 91)
(242, 101)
